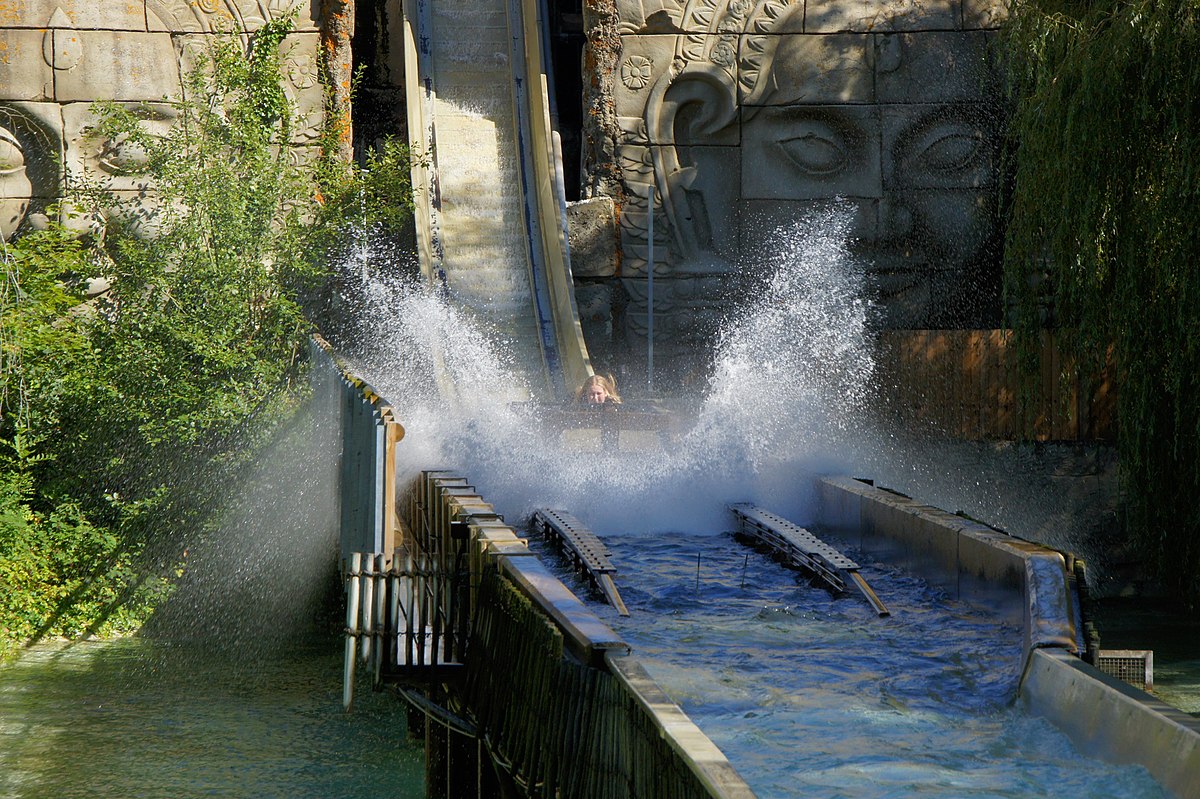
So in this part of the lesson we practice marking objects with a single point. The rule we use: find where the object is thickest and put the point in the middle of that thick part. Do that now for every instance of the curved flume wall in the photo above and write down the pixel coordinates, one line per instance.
(489, 219)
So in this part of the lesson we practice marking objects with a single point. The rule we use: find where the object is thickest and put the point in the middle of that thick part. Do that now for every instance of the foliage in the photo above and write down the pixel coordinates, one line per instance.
(373, 199)
(124, 418)
(1102, 239)
(63, 576)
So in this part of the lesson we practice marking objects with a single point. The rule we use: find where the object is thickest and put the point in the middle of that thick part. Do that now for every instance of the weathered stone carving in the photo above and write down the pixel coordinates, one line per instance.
(738, 115)
(59, 56)
(30, 154)
(216, 15)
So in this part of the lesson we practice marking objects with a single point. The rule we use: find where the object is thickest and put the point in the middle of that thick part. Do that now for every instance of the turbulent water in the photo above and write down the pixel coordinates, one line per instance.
(815, 696)
(784, 400)
(809, 695)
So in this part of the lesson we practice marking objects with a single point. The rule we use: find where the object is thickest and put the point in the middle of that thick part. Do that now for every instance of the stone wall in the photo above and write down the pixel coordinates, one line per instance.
(728, 118)
(59, 56)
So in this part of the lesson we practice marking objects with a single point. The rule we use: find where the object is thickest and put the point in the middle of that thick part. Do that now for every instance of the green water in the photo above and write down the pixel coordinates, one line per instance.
(139, 718)
(1173, 636)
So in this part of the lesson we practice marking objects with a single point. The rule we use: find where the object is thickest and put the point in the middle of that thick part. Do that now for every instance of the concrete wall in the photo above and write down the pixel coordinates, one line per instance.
(1103, 717)
(1025, 582)
(59, 56)
(1108, 719)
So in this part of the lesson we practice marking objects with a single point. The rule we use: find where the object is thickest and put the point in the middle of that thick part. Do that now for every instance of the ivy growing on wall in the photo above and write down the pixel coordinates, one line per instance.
(1103, 239)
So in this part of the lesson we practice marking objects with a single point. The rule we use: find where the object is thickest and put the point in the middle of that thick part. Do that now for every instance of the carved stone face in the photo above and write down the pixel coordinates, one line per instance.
(903, 129)
(57, 58)
(772, 111)
(30, 153)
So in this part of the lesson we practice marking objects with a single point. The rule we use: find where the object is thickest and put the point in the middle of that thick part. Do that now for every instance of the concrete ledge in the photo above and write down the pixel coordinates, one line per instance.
(584, 634)
(1024, 581)
(1106, 718)
(1102, 716)
(707, 762)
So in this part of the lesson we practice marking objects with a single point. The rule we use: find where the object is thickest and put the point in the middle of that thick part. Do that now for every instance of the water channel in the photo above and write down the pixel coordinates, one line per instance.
(815, 696)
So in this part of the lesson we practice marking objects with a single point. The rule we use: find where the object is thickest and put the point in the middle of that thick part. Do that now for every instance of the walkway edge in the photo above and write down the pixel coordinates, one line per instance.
(705, 760)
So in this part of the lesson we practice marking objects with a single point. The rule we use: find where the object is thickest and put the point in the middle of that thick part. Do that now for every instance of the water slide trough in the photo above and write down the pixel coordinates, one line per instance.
(488, 183)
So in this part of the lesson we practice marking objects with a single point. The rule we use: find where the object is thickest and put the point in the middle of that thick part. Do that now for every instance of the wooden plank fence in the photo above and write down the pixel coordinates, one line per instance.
(966, 384)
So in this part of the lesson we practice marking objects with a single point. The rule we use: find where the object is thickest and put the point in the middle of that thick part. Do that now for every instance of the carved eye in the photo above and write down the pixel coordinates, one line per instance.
(953, 151)
(122, 156)
(12, 156)
(817, 153)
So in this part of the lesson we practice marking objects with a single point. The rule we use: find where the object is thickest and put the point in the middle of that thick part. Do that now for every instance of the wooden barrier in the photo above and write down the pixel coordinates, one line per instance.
(966, 384)
(549, 691)
(370, 433)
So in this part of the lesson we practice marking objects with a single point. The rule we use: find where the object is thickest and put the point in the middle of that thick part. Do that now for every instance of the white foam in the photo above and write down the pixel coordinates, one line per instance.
(790, 375)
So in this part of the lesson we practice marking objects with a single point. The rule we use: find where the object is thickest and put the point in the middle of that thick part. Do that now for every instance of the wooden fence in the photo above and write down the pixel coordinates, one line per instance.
(966, 384)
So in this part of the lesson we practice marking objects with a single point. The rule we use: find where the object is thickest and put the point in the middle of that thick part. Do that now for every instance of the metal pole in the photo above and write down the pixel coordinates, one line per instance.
(650, 292)
(352, 597)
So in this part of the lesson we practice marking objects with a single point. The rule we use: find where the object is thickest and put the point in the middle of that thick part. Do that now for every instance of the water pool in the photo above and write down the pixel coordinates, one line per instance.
(140, 718)
(812, 696)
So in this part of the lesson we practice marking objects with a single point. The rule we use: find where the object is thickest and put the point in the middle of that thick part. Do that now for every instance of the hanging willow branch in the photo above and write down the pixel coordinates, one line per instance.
(1103, 235)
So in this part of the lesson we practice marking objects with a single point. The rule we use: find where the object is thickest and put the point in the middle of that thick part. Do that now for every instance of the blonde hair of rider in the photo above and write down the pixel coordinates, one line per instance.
(605, 382)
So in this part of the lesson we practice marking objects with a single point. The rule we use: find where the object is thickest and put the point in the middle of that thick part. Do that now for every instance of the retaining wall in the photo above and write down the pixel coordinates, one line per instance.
(1103, 717)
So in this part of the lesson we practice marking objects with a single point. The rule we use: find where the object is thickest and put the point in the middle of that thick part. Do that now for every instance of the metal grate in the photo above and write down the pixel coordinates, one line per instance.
(1134, 666)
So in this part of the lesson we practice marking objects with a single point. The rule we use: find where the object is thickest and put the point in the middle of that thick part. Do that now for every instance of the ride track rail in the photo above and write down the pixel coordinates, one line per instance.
(585, 551)
(801, 549)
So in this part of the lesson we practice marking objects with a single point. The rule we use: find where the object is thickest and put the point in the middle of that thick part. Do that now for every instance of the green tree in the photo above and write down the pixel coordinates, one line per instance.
(1102, 239)
(125, 417)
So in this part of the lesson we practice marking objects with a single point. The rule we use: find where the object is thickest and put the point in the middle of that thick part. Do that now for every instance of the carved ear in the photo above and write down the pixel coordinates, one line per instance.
(686, 108)
(703, 98)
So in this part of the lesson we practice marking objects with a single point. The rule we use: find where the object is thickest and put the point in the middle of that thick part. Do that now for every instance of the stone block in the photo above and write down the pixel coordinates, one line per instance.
(808, 69)
(595, 304)
(944, 228)
(811, 152)
(698, 107)
(30, 158)
(902, 298)
(592, 236)
(766, 226)
(983, 14)
(126, 15)
(301, 65)
(138, 211)
(649, 16)
(115, 164)
(970, 295)
(939, 146)
(122, 66)
(702, 205)
(227, 15)
(934, 67)
(299, 52)
(867, 16)
(642, 62)
(25, 72)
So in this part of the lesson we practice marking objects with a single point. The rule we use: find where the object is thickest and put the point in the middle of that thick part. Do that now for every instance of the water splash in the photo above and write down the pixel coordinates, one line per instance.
(790, 376)
(793, 366)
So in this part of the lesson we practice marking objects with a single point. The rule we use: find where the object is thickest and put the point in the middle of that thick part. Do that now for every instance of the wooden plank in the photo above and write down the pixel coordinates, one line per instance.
(973, 358)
